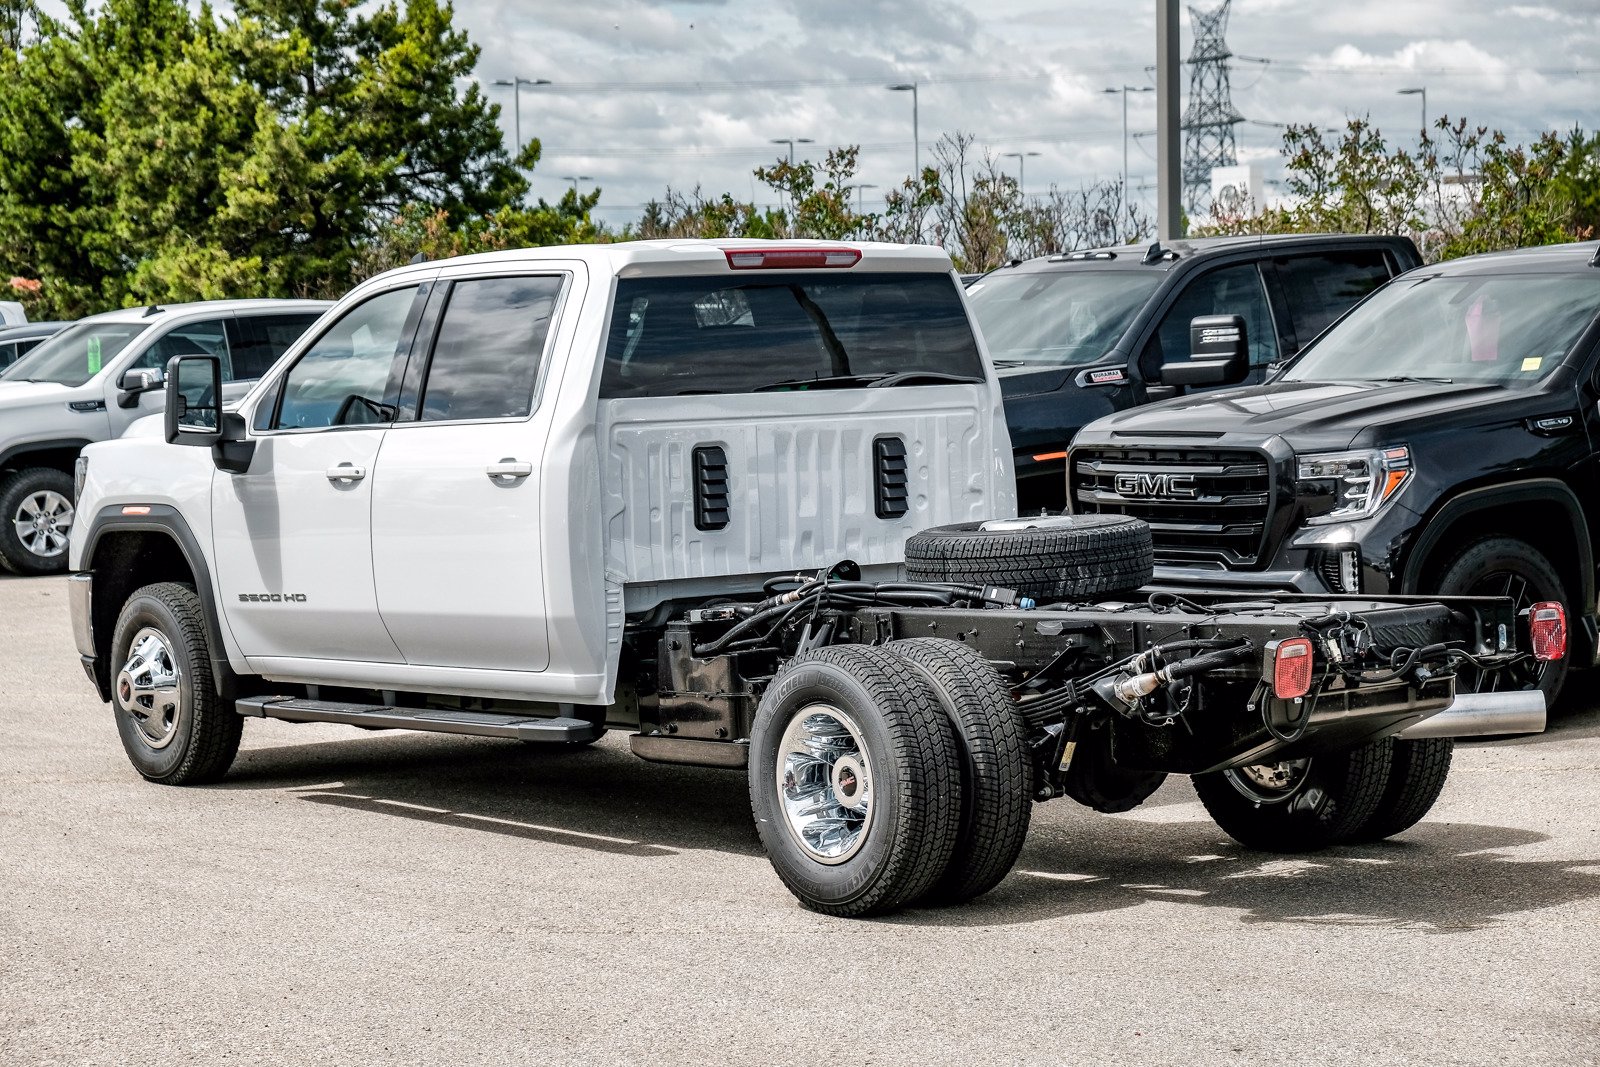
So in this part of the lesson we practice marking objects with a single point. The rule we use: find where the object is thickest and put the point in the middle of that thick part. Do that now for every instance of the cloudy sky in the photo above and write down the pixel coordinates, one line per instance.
(1022, 75)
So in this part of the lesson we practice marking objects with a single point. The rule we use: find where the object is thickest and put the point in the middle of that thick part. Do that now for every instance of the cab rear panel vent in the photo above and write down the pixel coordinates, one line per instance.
(711, 496)
(890, 480)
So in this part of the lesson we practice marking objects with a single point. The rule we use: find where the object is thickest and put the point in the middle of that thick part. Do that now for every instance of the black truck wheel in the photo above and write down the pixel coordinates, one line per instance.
(1050, 558)
(174, 727)
(996, 773)
(1417, 773)
(37, 513)
(855, 780)
(1298, 805)
(1505, 566)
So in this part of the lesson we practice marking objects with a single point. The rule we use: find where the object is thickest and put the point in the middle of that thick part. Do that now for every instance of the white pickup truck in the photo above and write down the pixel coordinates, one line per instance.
(677, 487)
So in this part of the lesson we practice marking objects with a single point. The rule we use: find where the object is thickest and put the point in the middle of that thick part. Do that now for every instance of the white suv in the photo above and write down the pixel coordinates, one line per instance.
(91, 380)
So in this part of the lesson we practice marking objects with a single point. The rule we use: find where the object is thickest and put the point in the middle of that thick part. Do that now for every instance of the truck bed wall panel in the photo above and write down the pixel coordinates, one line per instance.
(802, 489)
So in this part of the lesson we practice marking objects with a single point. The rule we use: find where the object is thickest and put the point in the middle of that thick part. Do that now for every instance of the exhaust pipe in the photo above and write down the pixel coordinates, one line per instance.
(1481, 715)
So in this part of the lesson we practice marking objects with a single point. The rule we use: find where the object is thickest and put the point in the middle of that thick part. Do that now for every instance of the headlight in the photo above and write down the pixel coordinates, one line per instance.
(1340, 486)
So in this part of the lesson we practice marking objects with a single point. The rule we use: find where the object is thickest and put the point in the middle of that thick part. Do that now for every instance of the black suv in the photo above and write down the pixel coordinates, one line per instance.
(1441, 438)
(1080, 335)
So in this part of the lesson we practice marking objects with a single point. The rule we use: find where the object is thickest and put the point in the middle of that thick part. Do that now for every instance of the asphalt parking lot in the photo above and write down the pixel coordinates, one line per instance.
(350, 897)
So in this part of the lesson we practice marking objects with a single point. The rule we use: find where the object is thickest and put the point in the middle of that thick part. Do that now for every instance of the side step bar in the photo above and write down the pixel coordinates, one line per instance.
(382, 717)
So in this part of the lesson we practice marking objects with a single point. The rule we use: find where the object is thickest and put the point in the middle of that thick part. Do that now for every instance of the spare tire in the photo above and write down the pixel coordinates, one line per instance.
(1048, 558)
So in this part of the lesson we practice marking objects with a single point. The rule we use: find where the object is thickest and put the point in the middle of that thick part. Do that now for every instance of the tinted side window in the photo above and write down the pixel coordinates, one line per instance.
(258, 340)
(8, 355)
(486, 359)
(342, 379)
(1229, 291)
(209, 338)
(1322, 287)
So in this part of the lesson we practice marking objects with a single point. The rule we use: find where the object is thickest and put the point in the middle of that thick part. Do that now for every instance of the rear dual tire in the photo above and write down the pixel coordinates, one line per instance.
(1362, 795)
(882, 777)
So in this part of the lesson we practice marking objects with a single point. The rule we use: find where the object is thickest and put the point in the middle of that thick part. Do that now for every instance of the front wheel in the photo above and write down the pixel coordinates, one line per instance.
(174, 727)
(36, 505)
(1298, 805)
(855, 781)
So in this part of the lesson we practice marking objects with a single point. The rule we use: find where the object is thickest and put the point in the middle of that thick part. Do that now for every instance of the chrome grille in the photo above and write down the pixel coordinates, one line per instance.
(1204, 505)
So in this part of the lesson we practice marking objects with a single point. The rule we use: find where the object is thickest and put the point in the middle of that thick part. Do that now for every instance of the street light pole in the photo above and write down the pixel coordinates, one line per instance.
(1422, 91)
(1022, 162)
(860, 202)
(916, 135)
(1123, 92)
(516, 84)
(791, 142)
(1169, 153)
(576, 178)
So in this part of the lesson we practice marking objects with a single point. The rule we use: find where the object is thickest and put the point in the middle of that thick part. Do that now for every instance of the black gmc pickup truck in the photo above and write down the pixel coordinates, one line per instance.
(1440, 438)
(1082, 334)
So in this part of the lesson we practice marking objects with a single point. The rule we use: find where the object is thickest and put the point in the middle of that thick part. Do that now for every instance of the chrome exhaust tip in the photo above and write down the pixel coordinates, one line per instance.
(1483, 715)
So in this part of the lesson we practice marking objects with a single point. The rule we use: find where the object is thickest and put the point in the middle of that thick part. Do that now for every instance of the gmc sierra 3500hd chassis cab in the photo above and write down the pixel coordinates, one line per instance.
(676, 487)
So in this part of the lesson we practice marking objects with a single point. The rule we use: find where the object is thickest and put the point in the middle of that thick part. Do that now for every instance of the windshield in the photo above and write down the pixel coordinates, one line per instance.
(1057, 318)
(76, 354)
(1498, 329)
(685, 336)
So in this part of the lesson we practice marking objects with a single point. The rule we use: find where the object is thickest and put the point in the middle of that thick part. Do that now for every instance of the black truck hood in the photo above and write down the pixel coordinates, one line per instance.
(1323, 415)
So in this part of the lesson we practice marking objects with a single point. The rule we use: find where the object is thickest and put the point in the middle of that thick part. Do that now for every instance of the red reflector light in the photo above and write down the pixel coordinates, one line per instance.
(1547, 629)
(791, 258)
(1292, 664)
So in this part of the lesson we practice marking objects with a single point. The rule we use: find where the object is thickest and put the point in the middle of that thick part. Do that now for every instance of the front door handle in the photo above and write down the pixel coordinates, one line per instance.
(346, 473)
(509, 469)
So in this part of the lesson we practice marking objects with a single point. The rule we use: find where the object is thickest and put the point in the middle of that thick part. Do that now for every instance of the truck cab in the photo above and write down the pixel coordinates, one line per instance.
(1081, 335)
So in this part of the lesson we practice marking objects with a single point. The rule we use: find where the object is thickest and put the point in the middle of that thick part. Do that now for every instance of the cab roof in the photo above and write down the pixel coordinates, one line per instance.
(199, 308)
(691, 256)
(1575, 258)
(1165, 255)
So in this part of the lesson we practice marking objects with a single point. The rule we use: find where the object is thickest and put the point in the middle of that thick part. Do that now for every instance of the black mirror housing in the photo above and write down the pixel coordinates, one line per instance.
(194, 401)
(1219, 353)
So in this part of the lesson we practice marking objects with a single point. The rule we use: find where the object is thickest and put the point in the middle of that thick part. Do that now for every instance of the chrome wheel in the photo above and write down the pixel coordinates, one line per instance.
(824, 780)
(1269, 783)
(149, 688)
(43, 522)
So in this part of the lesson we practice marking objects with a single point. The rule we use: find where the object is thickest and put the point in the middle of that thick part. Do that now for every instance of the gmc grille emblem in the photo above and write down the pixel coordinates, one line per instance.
(1168, 486)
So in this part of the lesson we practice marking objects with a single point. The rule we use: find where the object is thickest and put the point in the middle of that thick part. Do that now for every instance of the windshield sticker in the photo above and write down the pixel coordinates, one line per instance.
(1532, 363)
(94, 356)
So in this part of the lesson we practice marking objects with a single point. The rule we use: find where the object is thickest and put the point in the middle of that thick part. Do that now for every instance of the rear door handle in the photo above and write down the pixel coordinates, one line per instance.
(348, 473)
(509, 469)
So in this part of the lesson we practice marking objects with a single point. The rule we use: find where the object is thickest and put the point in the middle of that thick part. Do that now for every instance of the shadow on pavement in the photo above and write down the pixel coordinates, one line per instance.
(1437, 877)
(603, 798)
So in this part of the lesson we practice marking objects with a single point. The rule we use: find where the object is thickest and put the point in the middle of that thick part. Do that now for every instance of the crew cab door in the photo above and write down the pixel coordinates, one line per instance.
(456, 522)
(1236, 289)
(293, 535)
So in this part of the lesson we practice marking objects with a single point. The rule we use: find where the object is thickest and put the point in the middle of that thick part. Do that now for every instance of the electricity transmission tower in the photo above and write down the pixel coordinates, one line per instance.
(1209, 120)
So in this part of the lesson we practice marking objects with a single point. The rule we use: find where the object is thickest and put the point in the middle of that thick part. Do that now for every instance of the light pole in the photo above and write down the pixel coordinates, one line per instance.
(576, 178)
(791, 142)
(1422, 91)
(515, 85)
(1123, 92)
(860, 202)
(1022, 161)
(916, 136)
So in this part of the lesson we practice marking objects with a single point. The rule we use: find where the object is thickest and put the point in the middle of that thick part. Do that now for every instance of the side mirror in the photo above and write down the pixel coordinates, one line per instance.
(1219, 353)
(136, 383)
(194, 401)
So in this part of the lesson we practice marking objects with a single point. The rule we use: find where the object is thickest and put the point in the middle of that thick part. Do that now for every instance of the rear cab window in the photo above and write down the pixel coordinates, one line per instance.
(489, 348)
(792, 331)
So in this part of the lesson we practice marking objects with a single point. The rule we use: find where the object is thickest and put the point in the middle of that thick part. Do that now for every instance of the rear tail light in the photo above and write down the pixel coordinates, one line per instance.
(1547, 629)
(791, 258)
(1292, 663)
